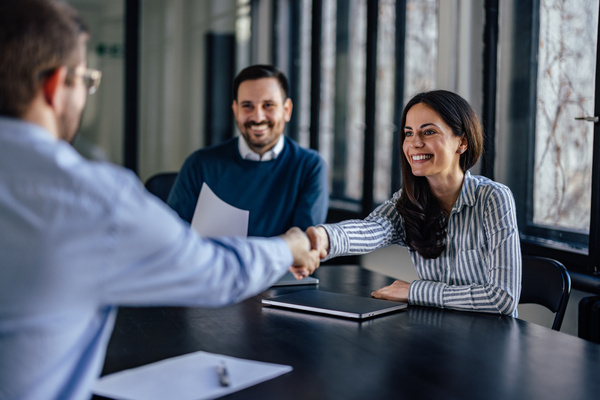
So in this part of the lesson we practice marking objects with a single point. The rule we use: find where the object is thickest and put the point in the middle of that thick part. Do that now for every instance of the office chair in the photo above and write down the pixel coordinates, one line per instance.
(160, 184)
(546, 282)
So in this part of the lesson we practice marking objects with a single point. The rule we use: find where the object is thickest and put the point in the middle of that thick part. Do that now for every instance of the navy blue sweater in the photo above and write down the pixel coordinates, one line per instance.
(288, 191)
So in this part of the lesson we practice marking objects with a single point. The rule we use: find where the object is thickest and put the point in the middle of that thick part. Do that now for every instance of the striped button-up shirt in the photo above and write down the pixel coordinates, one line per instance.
(479, 270)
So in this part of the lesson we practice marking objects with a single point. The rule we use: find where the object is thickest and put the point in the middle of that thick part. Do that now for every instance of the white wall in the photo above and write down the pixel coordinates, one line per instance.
(172, 77)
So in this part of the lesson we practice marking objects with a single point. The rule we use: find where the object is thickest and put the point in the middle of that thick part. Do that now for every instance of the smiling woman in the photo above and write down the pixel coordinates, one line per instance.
(431, 148)
(460, 229)
(447, 140)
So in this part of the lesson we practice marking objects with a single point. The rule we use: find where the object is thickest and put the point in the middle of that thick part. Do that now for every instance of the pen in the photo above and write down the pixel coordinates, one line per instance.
(223, 374)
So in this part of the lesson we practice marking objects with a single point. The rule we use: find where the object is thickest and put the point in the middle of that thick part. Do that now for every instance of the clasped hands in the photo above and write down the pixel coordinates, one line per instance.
(311, 247)
(307, 249)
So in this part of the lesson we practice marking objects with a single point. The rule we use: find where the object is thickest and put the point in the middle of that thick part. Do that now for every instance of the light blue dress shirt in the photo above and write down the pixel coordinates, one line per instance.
(79, 238)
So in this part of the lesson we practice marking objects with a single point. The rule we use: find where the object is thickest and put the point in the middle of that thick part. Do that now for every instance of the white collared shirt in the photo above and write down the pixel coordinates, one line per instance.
(248, 154)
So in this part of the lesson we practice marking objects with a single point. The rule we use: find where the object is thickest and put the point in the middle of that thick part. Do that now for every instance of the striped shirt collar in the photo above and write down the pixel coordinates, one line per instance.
(467, 193)
(248, 154)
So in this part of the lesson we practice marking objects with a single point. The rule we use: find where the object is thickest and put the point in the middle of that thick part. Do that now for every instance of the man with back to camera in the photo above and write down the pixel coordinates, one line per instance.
(80, 238)
(280, 183)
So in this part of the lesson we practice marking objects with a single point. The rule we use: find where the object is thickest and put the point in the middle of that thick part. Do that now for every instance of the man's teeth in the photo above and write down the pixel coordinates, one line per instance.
(422, 157)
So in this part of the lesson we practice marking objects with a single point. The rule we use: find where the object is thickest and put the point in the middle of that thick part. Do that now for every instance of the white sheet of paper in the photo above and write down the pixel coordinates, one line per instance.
(189, 377)
(213, 217)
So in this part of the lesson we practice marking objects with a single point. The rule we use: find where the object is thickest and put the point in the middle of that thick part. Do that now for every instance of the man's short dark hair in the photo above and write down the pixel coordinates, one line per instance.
(260, 71)
(36, 38)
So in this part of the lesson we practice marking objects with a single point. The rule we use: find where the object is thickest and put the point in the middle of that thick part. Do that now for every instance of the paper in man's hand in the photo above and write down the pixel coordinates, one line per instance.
(213, 217)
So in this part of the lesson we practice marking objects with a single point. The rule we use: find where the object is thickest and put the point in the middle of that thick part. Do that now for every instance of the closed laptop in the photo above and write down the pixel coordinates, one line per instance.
(338, 304)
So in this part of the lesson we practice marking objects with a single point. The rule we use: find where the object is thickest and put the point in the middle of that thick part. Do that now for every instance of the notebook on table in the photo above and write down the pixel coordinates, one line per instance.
(289, 280)
(341, 305)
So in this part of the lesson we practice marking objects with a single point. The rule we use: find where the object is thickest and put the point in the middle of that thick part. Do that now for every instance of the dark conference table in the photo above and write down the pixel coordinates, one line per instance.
(420, 353)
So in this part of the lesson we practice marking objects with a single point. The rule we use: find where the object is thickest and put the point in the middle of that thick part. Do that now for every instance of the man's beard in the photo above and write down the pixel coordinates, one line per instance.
(259, 143)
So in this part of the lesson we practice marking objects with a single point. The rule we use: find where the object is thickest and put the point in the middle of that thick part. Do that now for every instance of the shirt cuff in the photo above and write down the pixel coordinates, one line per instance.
(426, 293)
(338, 241)
(282, 251)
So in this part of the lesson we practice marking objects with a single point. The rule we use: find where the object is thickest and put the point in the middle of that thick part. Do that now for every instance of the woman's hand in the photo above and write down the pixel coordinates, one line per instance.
(397, 291)
(319, 240)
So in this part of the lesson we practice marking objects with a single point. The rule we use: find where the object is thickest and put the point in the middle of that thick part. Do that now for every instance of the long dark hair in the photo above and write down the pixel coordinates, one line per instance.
(425, 222)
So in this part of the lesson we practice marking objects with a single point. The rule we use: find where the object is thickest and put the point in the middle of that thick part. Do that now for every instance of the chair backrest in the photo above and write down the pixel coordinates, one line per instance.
(546, 282)
(160, 184)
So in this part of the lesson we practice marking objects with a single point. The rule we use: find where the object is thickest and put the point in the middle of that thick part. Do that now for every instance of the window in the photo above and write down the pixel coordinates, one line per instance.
(421, 47)
(385, 129)
(343, 95)
(563, 146)
(546, 80)
(362, 159)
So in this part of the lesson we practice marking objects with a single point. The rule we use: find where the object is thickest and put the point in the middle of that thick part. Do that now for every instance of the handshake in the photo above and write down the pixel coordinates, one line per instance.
(308, 249)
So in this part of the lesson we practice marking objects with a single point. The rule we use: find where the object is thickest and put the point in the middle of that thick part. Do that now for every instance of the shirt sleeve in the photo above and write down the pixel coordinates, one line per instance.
(384, 226)
(313, 200)
(499, 266)
(157, 259)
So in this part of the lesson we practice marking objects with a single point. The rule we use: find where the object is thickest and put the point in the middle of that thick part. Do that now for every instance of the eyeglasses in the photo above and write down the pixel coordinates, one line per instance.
(91, 77)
